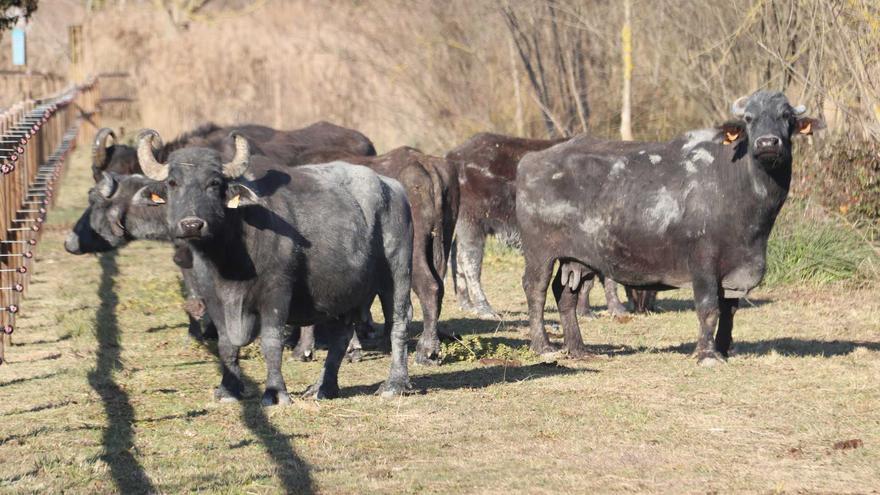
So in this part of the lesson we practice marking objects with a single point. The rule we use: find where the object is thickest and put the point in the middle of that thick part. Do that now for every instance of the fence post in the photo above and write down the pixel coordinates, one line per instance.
(36, 137)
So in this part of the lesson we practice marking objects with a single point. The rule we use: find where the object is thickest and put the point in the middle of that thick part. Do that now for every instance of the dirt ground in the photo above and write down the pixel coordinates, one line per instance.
(104, 392)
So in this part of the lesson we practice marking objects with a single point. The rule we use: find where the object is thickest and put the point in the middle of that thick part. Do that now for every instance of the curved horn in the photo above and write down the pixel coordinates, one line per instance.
(99, 149)
(152, 168)
(107, 186)
(800, 110)
(240, 161)
(739, 106)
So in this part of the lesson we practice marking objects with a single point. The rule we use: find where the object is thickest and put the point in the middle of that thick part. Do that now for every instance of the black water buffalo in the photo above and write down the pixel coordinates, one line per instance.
(109, 222)
(486, 166)
(431, 185)
(110, 156)
(303, 245)
(285, 147)
(692, 212)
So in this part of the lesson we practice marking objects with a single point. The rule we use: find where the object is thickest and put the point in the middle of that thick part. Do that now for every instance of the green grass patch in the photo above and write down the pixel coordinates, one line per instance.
(472, 348)
(810, 247)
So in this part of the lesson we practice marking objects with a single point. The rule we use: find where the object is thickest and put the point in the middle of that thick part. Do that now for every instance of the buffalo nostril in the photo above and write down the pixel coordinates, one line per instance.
(191, 226)
(767, 142)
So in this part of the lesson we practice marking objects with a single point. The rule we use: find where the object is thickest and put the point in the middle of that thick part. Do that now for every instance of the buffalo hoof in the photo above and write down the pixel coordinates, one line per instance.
(579, 352)
(486, 311)
(223, 395)
(543, 348)
(321, 392)
(304, 355)
(427, 354)
(394, 388)
(710, 359)
(617, 310)
(355, 355)
(273, 397)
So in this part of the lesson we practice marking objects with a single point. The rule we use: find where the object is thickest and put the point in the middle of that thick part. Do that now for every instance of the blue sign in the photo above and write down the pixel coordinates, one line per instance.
(19, 48)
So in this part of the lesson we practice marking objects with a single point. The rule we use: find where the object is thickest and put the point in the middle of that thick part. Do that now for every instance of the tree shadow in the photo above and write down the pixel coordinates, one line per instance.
(118, 434)
(474, 378)
(290, 468)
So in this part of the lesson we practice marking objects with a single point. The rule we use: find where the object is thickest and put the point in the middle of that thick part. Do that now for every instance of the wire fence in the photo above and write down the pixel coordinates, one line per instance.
(36, 137)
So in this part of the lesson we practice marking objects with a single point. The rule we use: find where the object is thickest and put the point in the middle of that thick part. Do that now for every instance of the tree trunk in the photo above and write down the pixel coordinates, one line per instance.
(626, 41)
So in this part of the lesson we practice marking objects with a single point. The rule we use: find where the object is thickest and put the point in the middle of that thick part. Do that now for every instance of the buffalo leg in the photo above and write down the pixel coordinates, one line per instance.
(471, 242)
(583, 302)
(567, 301)
(327, 386)
(724, 337)
(231, 387)
(642, 300)
(305, 348)
(429, 293)
(396, 304)
(535, 280)
(272, 345)
(614, 305)
(706, 301)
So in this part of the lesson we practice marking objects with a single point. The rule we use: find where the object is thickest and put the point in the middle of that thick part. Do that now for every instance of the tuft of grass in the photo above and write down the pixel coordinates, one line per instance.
(472, 348)
(810, 248)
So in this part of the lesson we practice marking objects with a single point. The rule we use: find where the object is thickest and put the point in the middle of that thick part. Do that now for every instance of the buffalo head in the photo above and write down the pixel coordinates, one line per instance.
(197, 186)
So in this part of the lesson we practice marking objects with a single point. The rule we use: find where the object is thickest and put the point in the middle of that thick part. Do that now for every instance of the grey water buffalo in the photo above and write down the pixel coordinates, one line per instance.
(486, 166)
(302, 245)
(431, 185)
(692, 212)
(110, 222)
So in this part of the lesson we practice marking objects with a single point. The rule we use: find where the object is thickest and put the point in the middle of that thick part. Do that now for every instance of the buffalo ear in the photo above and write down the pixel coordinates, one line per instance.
(732, 131)
(238, 195)
(150, 195)
(806, 125)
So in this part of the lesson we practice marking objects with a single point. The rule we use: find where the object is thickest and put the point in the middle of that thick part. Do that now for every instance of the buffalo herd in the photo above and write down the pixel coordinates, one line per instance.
(304, 229)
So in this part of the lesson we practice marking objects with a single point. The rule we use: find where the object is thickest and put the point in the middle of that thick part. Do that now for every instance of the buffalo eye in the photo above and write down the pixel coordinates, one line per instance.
(786, 115)
(214, 183)
(748, 118)
(172, 183)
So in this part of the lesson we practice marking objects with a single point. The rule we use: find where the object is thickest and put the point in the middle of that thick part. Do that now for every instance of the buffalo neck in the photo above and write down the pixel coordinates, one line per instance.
(759, 191)
(227, 251)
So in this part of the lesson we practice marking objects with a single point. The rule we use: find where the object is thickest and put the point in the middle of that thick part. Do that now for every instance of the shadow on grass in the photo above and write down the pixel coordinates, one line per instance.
(118, 434)
(290, 468)
(682, 305)
(785, 346)
(479, 377)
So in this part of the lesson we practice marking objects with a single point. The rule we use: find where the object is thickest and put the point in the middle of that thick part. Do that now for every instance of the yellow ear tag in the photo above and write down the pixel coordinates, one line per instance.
(233, 203)
(807, 128)
(155, 198)
(730, 136)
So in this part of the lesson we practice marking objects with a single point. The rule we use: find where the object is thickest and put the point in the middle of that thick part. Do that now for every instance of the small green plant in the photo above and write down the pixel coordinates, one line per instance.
(472, 348)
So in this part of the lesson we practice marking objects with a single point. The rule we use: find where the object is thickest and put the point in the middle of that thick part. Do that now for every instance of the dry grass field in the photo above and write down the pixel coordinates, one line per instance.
(104, 392)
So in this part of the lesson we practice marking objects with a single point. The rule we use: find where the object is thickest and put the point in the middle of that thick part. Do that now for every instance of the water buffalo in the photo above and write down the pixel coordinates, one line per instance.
(110, 156)
(431, 185)
(302, 245)
(692, 212)
(100, 227)
(486, 166)
(286, 147)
